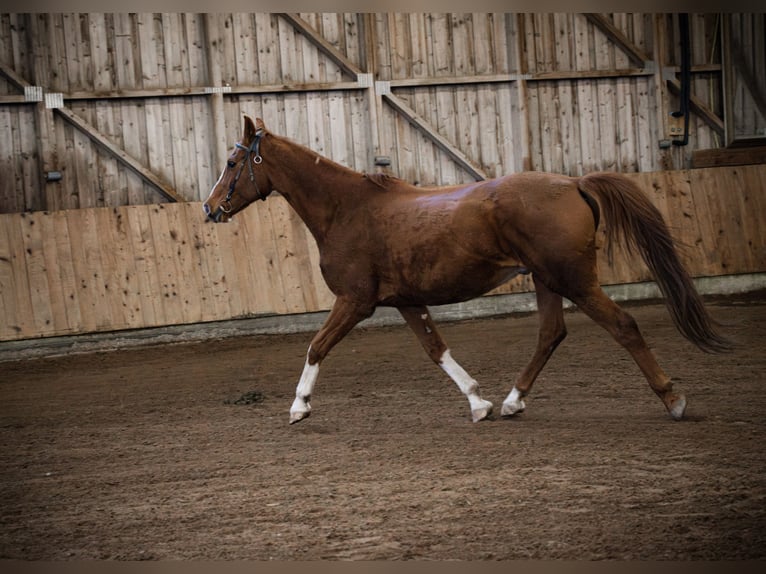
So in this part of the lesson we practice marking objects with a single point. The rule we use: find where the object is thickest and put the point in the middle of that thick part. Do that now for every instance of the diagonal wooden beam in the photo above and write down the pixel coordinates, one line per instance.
(105, 143)
(423, 126)
(615, 35)
(700, 108)
(324, 46)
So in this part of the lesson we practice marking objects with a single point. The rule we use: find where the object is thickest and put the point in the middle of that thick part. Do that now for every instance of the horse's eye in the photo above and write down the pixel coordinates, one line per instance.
(231, 164)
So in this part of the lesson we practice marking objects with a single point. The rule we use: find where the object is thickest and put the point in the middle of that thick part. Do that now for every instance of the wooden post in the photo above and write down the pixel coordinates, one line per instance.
(374, 100)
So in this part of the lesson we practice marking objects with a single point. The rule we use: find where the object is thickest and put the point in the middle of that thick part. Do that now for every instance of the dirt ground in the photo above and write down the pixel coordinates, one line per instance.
(147, 454)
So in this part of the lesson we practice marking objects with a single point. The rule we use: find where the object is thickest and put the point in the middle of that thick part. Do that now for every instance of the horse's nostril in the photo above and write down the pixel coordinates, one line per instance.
(206, 209)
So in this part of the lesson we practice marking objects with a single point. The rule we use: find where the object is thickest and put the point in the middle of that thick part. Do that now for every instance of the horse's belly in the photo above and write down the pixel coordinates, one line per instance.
(434, 288)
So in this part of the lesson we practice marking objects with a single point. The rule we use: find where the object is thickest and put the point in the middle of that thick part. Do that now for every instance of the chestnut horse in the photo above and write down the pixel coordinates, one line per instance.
(384, 242)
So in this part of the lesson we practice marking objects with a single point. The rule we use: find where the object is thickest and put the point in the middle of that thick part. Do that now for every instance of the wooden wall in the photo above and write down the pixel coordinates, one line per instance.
(150, 103)
(105, 269)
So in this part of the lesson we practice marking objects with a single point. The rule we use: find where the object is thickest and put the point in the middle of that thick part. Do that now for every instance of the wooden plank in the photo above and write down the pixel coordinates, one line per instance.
(14, 287)
(146, 280)
(57, 304)
(189, 281)
(587, 100)
(728, 156)
(66, 276)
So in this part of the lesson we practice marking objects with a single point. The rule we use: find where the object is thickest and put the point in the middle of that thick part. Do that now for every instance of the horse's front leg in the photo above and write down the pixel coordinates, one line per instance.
(419, 320)
(344, 315)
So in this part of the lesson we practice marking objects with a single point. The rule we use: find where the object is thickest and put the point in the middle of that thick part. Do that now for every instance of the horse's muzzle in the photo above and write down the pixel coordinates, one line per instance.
(216, 216)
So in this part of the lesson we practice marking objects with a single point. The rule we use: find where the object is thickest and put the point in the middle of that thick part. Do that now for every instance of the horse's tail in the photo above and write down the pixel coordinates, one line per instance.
(630, 215)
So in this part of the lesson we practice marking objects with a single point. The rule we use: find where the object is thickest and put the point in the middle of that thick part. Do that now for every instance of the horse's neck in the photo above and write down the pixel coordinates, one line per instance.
(313, 185)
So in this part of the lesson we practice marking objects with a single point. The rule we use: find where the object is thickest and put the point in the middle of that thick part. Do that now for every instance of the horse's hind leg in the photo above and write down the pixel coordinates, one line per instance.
(419, 320)
(624, 329)
(552, 332)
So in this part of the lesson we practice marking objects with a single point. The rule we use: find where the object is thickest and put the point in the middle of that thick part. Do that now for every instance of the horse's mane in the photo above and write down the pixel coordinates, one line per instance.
(383, 180)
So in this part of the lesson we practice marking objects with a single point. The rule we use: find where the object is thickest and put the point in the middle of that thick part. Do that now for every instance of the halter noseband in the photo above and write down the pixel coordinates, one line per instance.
(257, 159)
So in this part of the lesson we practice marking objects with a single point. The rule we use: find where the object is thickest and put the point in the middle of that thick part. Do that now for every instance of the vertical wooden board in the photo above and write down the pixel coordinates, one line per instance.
(363, 139)
(134, 144)
(426, 152)
(218, 302)
(108, 278)
(329, 29)
(243, 48)
(100, 52)
(338, 132)
(173, 48)
(483, 40)
(253, 265)
(159, 149)
(441, 36)
(280, 214)
(9, 197)
(264, 233)
(725, 223)
(740, 229)
(190, 280)
(353, 26)
(148, 53)
(55, 292)
(111, 194)
(124, 56)
(37, 274)
(127, 274)
(753, 192)
(196, 49)
(66, 273)
(707, 219)
(233, 280)
(462, 50)
(266, 33)
(510, 148)
(86, 257)
(192, 215)
(488, 132)
(146, 278)
(14, 289)
(625, 126)
(447, 126)
(586, 98)
(182, 147)
(415, 25)
(207, 167)
(570, 127)
(104, 268)
(169, 272)
(409, 165)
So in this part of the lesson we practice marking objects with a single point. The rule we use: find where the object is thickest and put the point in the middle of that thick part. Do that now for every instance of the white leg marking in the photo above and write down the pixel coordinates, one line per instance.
(480, 408)
(301, 407)
(513, 403)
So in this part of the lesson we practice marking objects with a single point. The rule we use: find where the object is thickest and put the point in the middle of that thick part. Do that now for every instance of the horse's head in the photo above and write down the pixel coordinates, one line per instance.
(244, 179)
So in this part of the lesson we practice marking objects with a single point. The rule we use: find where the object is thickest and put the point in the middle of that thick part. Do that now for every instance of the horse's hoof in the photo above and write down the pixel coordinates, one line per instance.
(297, 416)
(481, 413)
(513, 408)
(677, 408)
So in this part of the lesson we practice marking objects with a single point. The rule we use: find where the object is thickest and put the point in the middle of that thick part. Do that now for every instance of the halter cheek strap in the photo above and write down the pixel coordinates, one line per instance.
(257, 159)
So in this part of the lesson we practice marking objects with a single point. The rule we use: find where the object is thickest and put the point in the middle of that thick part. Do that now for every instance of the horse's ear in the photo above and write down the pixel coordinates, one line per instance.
(259, 125)
(249, 131)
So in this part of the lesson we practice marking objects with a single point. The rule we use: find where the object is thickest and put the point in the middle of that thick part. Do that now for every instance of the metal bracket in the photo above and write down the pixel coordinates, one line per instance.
(54, 100)
(33, 93)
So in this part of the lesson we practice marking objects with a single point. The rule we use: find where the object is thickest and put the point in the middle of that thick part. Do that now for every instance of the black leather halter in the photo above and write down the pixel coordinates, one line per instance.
(257, 159)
